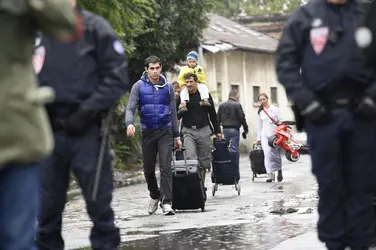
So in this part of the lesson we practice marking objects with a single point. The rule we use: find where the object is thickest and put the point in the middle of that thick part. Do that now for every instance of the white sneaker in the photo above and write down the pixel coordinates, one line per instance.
(153, 205)
(167, 209)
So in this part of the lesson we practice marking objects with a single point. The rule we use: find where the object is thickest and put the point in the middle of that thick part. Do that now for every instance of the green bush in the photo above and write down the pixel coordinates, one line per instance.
(127, 150)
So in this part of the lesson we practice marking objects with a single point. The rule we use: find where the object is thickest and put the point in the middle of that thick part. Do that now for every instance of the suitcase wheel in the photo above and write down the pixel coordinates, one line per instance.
(238, 188)
(215, 188)
(253, 177)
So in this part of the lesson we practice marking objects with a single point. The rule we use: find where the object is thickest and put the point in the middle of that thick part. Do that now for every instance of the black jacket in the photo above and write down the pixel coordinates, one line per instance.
(231, 115)
(92, 73)
(309, 69)
(198, 115)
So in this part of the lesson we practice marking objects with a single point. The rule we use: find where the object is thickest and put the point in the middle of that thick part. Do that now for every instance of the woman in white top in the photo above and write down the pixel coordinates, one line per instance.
(267, 115)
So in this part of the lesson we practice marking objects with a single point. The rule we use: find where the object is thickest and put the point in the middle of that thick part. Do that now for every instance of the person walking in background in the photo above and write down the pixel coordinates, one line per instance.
(268, 115)
(231, 116)
(177, 89)
(176, 86)
(155, 99)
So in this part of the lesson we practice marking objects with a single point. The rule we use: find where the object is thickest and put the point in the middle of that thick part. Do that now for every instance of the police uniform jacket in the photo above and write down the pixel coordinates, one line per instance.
(91, 74)
(317, 54)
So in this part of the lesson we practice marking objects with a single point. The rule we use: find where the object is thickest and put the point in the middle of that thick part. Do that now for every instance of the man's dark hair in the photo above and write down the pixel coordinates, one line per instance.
(175, 84)
(152, 59)
(233, 93)
(188, 76)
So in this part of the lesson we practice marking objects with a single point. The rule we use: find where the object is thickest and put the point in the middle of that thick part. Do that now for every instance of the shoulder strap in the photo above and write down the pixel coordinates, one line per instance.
(273, 121)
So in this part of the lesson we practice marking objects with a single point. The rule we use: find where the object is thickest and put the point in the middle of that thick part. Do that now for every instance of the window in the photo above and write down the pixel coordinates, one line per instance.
(219, 92)
(274, 94)
(256, 92)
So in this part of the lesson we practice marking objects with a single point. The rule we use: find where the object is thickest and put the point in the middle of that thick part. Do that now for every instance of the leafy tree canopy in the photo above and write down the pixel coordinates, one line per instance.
(231, 8)
(165, 28)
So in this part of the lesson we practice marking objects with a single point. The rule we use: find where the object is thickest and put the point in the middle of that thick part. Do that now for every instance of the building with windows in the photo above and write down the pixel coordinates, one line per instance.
(270, 24)
(240, 58)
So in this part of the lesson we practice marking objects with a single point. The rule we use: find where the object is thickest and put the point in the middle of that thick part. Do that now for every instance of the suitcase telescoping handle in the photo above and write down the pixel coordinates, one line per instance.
(185, 160)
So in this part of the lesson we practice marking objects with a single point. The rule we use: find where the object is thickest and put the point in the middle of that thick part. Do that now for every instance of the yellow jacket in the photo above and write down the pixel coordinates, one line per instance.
(198, 70)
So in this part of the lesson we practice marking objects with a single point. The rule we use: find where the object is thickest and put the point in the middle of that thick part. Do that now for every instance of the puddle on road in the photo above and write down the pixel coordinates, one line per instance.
(256, 236)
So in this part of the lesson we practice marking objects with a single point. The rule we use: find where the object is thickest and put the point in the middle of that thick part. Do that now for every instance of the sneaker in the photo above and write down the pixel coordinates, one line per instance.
(153, 206)
(205, 103)
(182, 111)
(167, 209)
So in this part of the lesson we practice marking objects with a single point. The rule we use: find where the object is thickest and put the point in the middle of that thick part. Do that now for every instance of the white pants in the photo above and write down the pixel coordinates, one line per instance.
(202, 88)
(272, 160)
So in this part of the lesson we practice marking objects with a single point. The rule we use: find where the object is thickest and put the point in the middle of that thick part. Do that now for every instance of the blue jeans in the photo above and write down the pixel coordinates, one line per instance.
(19, 199)
(233, 135)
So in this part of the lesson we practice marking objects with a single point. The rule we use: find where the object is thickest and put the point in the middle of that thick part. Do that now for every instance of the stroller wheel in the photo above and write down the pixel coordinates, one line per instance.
(215, 188)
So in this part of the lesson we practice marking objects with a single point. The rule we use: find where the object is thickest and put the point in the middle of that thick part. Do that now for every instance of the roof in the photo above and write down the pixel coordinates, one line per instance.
(222, 34)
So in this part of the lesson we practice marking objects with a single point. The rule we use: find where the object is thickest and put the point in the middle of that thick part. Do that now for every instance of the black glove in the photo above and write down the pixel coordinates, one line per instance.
(366, 109)
(316, 113)
(299, 119)
(244, 135)
(78, 122)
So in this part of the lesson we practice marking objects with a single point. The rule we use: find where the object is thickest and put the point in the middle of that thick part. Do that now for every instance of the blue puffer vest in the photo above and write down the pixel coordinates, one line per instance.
(154, 105)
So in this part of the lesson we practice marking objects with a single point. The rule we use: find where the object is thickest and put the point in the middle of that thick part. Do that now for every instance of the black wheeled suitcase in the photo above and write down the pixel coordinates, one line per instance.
(188, 191)
(256, 156)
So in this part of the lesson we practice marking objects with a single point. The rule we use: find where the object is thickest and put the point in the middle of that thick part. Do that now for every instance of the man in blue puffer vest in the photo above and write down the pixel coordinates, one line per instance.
(155, 99)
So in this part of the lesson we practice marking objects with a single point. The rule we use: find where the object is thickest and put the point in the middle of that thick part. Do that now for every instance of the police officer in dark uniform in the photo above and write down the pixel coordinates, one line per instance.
(320, 66)
(89, 77)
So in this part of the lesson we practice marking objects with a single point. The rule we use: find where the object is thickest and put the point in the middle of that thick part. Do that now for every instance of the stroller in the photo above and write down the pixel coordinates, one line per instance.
(225, 166)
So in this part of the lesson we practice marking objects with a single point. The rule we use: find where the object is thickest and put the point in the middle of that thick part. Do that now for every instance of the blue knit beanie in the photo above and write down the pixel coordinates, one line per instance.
(192, 55)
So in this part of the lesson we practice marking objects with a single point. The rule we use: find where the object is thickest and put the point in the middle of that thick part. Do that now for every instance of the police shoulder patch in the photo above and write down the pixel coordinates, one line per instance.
(118, 47)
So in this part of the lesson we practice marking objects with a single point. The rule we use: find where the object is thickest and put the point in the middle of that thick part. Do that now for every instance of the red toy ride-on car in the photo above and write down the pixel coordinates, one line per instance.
(283, 139)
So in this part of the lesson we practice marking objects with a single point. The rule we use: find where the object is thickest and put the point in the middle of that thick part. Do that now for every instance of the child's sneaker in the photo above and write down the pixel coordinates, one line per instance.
(182, 108)
(205, 103)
